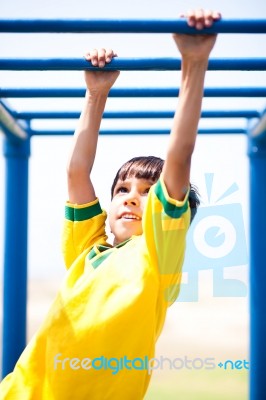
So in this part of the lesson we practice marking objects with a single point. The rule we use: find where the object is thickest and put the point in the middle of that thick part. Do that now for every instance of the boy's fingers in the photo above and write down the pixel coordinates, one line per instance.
(109, 55)
(87, 56)
(190, 17)
(195, 18)
(101, 57)
(199, 14)
(208, 18)
(93, 57)
(216, 15)
(201, 18)
(211, 16)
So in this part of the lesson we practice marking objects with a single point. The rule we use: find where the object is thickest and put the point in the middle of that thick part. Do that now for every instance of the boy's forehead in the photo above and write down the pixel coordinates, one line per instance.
(134, 179)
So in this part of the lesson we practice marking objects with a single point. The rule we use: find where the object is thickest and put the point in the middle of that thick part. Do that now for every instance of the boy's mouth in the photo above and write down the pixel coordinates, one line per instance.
(130, 217)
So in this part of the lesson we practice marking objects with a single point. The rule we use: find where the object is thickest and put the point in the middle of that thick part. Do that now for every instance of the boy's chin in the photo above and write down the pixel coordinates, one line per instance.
(122, 237)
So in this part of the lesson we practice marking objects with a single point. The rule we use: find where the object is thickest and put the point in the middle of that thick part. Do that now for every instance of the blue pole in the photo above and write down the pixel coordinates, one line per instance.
(257, 155)
(15, 251)
(130, 92)
(129, 26)
(128, 64)
(207, 131)
(29, 115)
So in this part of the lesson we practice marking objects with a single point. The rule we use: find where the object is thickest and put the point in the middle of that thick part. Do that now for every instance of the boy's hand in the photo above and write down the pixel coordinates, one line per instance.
(100, 81)
(197, 47)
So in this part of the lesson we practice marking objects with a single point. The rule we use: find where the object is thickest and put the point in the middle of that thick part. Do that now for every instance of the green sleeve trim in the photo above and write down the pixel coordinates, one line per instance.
(81, 214)
(172, 210)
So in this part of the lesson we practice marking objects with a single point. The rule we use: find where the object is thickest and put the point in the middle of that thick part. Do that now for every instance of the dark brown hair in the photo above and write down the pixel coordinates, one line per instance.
(150, 168)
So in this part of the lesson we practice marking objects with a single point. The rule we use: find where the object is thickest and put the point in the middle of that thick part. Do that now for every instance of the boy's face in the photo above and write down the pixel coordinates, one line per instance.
(127, 207)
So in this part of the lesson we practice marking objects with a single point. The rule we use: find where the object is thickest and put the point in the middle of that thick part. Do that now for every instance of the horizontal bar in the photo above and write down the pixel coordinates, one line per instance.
(28, 115)
(9, 125)
(130, 92)
(128, 26)
(259, 130)
(128, 64)
(218, 131)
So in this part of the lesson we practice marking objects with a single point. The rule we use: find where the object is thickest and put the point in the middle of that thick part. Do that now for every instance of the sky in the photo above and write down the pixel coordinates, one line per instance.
(224, 157)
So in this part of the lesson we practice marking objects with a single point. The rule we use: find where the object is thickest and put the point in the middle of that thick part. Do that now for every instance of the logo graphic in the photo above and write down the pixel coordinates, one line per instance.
(115, 365)
(215, 241)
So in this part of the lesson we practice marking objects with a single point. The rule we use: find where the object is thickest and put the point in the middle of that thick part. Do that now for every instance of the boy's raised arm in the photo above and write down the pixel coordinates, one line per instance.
(80, 188)
(195, 50)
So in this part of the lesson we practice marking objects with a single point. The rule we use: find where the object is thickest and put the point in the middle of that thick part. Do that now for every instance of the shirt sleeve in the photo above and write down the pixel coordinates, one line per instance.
(84, 226)
(165, 225)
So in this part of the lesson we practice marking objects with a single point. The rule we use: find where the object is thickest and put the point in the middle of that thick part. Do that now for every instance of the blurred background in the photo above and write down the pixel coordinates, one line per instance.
(209, 327)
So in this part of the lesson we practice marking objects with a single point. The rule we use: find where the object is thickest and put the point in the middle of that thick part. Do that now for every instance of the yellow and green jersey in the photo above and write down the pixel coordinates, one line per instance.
(99, 336)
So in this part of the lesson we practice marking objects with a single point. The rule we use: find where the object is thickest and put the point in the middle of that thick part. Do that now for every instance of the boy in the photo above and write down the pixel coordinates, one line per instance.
(100, 333)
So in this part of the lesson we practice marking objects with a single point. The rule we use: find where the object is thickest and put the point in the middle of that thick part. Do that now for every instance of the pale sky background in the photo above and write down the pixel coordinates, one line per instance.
(225, 156)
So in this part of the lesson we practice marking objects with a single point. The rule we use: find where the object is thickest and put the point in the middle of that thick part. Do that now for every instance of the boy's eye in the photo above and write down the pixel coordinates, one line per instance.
(122, 189)
(146, 191)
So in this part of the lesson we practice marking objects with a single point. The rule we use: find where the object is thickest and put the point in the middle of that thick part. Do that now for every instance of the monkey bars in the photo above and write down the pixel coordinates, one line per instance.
(130, 92)
(127, 26)
(29, 115)
(17, 133)
(130, 64)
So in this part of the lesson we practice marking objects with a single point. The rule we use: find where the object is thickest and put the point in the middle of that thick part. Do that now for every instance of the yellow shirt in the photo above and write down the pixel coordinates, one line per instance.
(99, 336)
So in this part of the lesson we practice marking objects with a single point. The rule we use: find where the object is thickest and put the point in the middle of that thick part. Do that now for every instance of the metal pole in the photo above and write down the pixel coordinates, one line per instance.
(129, 92)
(128, 64)
(16, 154)
(29, 115)
(121, 132)
(257, 155)
(128, 26)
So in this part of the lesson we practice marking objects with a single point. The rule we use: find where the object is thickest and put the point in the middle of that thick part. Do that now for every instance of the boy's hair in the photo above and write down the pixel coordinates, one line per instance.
(150, 167)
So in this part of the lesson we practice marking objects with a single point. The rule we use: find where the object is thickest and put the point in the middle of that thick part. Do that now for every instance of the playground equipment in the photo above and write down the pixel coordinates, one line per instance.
(17, 134)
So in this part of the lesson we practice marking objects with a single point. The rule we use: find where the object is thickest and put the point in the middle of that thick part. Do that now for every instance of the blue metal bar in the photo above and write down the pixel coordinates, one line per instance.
(11, 128)
(16, 152)
(129, 26)
(217, 131)
(257, 155)
(128, 64)
(29, 115)
(15, 252)
(130, 92)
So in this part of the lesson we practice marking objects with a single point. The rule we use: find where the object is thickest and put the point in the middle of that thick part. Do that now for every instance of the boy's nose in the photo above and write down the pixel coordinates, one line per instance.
(131, 200)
